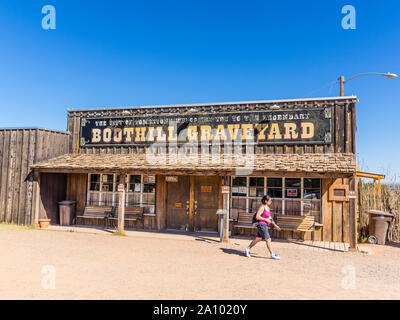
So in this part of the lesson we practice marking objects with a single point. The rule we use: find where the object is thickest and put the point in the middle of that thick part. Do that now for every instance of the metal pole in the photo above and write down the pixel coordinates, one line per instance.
(221, 227)
(225, 227)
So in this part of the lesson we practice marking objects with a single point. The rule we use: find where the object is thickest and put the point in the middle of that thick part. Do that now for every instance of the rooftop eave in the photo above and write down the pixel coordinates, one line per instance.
(255, 102)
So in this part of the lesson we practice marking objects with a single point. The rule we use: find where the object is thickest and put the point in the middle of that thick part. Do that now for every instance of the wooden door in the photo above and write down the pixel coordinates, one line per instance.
(178, 203)
(206, 190)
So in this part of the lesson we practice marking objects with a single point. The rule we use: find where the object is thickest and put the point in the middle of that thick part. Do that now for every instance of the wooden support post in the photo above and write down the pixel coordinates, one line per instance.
(353, 216)
(374, 194)
(379, 193)
(225, 231)
(36, 200)
(36, 203)
(121, 205)
(190, 226)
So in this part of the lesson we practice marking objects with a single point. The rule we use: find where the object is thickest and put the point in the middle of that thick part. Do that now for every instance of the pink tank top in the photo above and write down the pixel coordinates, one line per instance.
(265, 215)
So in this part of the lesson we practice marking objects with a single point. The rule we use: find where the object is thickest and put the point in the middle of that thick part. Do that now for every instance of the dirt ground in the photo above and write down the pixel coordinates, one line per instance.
(163, 266)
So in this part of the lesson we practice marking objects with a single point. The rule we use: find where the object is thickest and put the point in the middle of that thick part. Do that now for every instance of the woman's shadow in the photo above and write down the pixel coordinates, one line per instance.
(238, 252)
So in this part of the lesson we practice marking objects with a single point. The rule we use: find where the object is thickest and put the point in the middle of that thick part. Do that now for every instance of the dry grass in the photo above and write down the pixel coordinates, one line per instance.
(390, 202)
(12, 226)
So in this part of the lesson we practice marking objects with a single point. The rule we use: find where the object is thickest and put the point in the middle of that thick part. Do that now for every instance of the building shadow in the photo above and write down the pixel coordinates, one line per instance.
(210, 237)
(393, 244)
(206, 239)
(313, 246)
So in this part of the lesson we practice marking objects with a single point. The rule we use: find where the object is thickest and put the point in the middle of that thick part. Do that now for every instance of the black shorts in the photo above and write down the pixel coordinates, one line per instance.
(263, 231)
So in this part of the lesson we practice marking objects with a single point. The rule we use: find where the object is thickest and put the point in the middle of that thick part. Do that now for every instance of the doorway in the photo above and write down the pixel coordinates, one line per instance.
(192, 203)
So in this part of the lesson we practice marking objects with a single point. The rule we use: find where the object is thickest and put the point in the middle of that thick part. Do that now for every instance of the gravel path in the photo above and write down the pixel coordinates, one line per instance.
(156, 266)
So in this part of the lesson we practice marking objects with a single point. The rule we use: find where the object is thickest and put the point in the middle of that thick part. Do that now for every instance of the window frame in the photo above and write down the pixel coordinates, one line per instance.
(284, 200)
(101, 193)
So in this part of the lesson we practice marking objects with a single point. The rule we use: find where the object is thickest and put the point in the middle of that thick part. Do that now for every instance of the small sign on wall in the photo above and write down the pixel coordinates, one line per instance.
(352, 195)
(339, 192)
(121, 187)
(225, 189)
(206, 188)
(171, 178)
(291, 193)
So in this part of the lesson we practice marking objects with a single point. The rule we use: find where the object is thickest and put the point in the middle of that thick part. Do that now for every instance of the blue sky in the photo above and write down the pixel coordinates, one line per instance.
(127, 53)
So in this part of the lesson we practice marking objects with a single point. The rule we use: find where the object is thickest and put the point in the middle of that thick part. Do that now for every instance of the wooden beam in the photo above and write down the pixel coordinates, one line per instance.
(185, 172)
(369, 175)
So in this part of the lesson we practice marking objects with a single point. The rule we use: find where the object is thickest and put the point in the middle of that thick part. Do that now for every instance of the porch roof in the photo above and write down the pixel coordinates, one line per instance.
(337, 163)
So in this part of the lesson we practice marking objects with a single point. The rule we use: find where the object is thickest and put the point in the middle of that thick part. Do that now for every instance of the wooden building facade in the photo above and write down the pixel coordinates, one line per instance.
(19, 149)
(173, 161)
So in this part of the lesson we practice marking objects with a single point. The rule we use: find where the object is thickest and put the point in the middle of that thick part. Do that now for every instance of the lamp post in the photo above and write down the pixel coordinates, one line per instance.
(343, 81)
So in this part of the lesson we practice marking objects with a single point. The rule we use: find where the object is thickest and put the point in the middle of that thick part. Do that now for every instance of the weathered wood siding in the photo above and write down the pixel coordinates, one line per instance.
(77, 191)
(336, 215)
(52, 191)
(19, 149)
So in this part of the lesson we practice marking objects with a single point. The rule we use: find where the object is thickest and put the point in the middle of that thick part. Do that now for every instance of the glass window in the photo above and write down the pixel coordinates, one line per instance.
(94, 182)
(293, 188)
(107, 182)
(239, 181)
(312, 208)
(257, 182)
(256, 187)
(135, 183)
(239, 204)
(274, 187)
(149, 184)
(254, 204)
(312, 189)
(148, 199)
(276, 206)
(239, 186)
(293, 207)
(138, 194)
(133, 200)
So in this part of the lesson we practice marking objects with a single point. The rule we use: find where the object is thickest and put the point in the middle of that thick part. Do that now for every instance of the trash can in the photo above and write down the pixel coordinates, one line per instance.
(380, 221)
(67, 212)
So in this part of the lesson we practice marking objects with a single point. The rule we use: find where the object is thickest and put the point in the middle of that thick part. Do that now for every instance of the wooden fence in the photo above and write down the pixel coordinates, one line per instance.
(389, 201)
(19, 149)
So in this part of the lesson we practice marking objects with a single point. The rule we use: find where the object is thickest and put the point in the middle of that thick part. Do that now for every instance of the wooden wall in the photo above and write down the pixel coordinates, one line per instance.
(19, 149)
(338, 217)
(77, 190)
(52, 191)
(161, 202)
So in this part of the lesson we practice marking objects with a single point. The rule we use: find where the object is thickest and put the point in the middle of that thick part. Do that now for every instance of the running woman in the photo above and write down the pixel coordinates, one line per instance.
(264, 220)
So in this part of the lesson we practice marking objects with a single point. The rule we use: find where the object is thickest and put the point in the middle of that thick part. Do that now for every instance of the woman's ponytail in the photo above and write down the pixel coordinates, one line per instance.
(265, 199)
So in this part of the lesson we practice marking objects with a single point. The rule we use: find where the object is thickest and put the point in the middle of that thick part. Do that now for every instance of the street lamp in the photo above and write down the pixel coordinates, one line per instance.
(386, 75)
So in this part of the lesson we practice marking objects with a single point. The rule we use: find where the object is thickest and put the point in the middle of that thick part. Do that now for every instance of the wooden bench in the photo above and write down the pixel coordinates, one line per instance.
(297, 223)
(95, 212)
(131, 214)
(245, 220)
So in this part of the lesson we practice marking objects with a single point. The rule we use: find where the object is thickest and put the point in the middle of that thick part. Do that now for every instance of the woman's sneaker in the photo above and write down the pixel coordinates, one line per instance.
(275, 256)
(247, 252)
